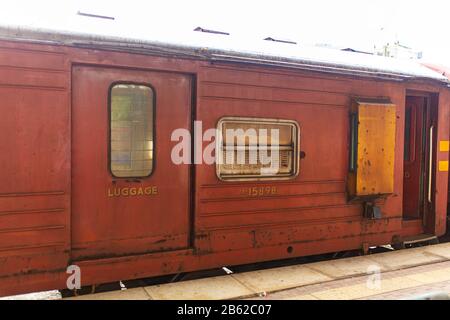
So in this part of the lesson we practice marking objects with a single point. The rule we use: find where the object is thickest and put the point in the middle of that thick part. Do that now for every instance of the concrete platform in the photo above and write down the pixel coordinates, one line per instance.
(214, 288)
(385, 275)
(129, 294)
(401, 284)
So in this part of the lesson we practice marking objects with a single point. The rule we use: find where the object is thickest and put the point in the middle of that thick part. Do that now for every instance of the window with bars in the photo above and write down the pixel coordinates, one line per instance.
(257, 149)
(131, 135)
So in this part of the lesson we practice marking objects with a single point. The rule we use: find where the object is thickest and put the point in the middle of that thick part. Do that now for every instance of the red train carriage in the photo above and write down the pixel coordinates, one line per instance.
(88, 131)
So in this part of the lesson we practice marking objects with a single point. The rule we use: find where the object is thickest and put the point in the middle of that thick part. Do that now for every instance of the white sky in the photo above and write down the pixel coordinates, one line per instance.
(422, 25)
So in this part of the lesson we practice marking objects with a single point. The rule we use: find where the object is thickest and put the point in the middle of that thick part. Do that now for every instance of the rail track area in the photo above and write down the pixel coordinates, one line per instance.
(418, 272)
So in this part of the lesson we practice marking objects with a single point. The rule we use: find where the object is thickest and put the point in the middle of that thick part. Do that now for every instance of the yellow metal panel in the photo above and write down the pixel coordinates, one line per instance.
(443, 165)
(444, 145)
(376, 149)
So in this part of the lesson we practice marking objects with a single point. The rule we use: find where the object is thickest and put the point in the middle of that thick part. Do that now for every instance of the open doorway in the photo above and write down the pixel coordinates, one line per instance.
(419, 157)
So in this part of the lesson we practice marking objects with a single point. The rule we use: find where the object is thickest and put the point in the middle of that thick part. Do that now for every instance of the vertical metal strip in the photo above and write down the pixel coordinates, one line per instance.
(430, 164)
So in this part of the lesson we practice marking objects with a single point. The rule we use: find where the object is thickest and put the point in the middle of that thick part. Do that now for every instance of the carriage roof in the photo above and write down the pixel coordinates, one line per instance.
(225, 48)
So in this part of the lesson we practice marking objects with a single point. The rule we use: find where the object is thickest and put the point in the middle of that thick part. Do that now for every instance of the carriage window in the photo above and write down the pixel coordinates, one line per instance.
(257, 149)
(131, 144)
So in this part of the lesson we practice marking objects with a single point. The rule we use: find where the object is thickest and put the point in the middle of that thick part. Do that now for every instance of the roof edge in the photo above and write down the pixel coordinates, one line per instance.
(79, 39)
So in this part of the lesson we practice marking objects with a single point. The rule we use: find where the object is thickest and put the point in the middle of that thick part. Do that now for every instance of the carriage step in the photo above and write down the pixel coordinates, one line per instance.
(430, 238)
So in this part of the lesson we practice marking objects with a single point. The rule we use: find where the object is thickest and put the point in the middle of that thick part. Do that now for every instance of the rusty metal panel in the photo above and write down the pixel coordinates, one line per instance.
(374, 150)
(34, 160)
(112, 215)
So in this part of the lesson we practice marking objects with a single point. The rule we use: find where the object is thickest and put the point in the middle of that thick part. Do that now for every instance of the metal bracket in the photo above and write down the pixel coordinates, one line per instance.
(371, 211)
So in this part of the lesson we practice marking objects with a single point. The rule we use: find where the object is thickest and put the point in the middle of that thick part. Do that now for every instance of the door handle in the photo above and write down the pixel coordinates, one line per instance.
(430, 164)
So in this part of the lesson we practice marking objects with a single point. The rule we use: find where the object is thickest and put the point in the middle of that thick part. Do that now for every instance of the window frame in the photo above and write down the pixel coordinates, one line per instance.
(109, 142)
(296, 148)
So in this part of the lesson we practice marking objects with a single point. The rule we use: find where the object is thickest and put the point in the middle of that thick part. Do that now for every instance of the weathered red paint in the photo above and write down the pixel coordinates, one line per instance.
(54, 209)
(105, 226)
(444, 70)
(416, 160)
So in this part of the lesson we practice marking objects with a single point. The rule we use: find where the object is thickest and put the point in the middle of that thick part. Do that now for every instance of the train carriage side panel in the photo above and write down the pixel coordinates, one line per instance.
(313, 206)
(35, 159)
(442, 162)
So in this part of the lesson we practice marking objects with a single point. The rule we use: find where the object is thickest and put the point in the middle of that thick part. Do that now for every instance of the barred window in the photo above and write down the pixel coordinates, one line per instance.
(257, 149)
(131, 135)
